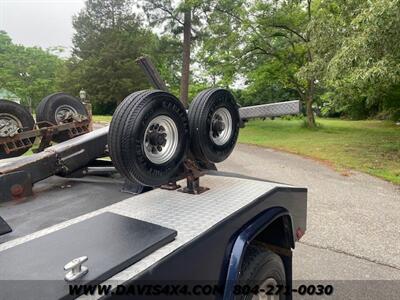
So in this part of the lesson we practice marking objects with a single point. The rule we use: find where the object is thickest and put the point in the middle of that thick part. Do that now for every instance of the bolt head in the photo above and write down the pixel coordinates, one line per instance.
(16, 190)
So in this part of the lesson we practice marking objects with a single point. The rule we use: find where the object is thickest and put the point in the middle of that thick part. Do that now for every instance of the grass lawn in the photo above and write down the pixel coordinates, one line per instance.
(102, 119)
(368, 146)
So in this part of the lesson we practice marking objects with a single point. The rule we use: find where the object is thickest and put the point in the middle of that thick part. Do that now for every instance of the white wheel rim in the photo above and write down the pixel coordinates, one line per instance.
(160, 139)
(9, 125)
(221, 126)
(64, 112)
(265, 286)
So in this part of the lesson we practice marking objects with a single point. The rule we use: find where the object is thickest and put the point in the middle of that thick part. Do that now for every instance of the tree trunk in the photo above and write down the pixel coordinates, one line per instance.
(187, 35)
(309, 103)
(311, 82)
(310, 113)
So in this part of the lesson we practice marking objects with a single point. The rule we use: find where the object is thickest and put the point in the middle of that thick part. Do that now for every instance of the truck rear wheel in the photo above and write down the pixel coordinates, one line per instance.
(148, 137)
(263, 268)
(14, 116)
(214, 125)
(57, 109)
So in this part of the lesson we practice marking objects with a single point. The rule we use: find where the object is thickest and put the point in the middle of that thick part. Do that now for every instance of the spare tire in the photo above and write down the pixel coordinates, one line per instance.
(148, 137)
(18, 116)
(55, 107)
(214, 125)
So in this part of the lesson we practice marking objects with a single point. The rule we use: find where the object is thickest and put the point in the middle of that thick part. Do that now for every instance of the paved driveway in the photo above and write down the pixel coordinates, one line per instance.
(353, 221)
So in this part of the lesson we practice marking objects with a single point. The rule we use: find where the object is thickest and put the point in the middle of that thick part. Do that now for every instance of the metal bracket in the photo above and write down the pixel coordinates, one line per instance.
(193, 173)
(193, 186)
(151, 72)
(15, 185)
(45, 142)
(75, 269)
(170, 186)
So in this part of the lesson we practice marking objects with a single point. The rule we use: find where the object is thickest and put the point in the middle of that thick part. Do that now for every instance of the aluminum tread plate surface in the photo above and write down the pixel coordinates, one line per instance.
(270, 110)
(189, 215)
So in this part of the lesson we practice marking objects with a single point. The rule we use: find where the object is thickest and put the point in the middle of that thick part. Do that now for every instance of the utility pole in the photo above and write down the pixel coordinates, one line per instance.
(187, 36)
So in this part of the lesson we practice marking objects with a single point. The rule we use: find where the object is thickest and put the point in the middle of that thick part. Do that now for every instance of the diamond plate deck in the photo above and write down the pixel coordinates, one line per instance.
(270, 110)
(190, 215)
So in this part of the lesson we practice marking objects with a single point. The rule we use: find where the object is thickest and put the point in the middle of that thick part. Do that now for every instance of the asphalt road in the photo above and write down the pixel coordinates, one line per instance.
(353, 230)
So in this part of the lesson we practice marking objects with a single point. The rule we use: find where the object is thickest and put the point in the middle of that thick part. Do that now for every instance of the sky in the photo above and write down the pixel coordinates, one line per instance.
(44, 23)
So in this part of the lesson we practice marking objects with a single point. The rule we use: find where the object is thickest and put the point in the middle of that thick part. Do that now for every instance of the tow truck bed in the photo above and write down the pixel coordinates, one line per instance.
(58, 199)
(73, 222)
(206, 223)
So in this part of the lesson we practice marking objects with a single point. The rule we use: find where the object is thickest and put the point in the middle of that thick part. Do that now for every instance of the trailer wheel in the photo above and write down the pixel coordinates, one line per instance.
(262, 268)
(148, 137)
(14, 116)
(57, 109)
(214, 125)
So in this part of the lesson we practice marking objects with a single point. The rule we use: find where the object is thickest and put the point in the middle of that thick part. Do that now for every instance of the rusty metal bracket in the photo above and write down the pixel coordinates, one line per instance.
(193, 186)
(170, 186)
(46, 130)
(45, 142)
(15, 185)
(193, 173)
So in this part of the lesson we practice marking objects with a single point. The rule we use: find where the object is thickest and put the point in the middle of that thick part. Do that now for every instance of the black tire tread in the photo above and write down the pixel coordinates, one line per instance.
(197, 114)
(256, 257)
(124, 121)
(24, 116)
(117, 125)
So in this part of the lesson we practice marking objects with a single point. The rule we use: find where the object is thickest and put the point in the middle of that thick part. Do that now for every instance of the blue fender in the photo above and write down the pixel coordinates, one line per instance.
(246, 235)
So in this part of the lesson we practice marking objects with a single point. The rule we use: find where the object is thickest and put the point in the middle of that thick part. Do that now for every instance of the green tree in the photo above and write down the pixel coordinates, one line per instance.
(339, 52)
(167, 57)
(179, 18)
(220, 50)
(28, 72)
(267, 39)
(359, 44)
(108, 39)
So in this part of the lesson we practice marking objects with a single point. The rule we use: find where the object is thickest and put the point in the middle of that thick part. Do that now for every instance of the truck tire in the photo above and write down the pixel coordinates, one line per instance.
(18, 115)
(261, 267)
(214, 125)
(52, 107)
(148, 137)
